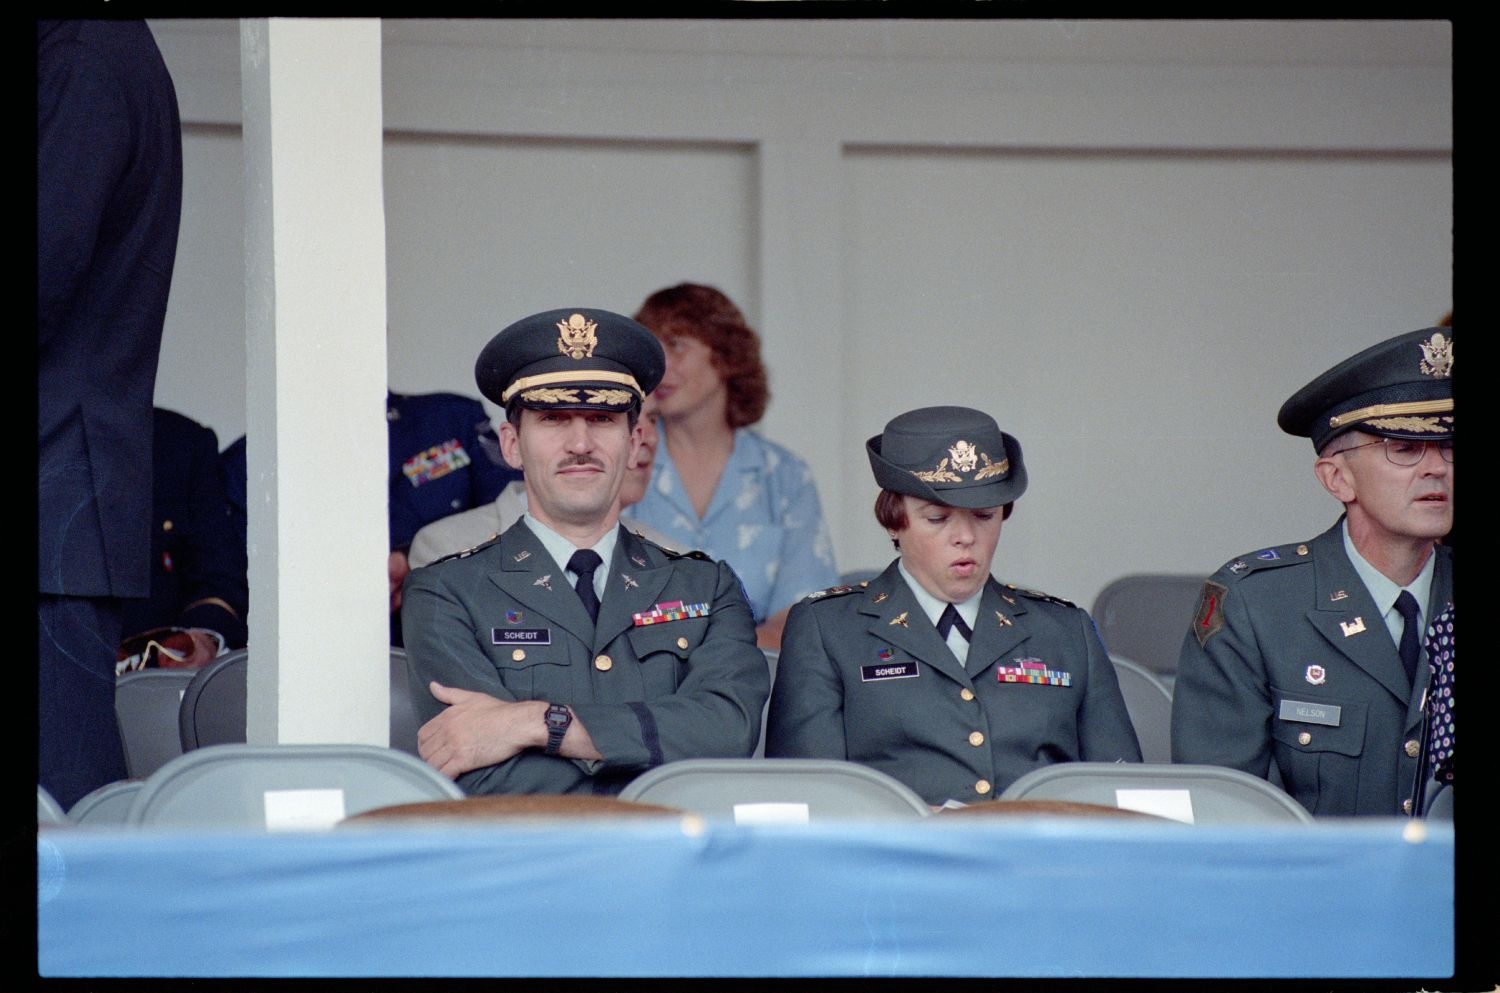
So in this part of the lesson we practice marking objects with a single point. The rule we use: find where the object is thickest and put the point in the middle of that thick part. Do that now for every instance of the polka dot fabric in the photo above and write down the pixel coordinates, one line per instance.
(1439, 643)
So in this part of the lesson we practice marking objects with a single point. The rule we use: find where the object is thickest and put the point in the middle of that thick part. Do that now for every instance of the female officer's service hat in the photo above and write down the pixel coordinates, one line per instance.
(573, 358)
(950, 455)
(1400, 388)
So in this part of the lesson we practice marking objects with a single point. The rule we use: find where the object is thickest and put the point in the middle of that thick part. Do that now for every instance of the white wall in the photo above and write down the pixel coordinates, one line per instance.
(1129, 241)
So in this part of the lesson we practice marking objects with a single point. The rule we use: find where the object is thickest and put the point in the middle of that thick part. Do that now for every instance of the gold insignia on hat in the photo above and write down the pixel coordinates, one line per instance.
(1437, 356)
(964, 456)
(550, 394)
(992, 468)
(576, 338)
(610, 396)
(1407, 424)
(939, 475)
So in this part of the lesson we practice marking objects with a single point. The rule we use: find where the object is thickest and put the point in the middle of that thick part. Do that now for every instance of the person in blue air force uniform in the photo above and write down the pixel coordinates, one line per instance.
(933, 672)
(1311, 654)
(569, 655)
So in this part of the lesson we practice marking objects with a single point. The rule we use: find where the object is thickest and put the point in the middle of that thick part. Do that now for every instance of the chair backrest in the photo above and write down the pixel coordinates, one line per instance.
(1149, 703)
(404, 719)
(772, 655)
(1441, 807)
(109, 804)
(785, 790)
(1201, 794)
(213, 705)
(48, 810)
(284, 787)
(147, 703)
(1144, 617)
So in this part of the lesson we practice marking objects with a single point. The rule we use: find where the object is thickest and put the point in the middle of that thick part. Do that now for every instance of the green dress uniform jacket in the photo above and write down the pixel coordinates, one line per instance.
(503, 619)
(1289, 659)
(864, 676)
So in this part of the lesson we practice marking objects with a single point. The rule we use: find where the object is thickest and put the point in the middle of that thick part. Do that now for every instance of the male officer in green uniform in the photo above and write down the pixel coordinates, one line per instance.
(1309, 654)
(569, 655)
(934, 673)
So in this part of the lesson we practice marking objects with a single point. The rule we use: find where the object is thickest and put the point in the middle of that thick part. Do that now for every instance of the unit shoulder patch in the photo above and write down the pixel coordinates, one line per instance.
(1208, 619)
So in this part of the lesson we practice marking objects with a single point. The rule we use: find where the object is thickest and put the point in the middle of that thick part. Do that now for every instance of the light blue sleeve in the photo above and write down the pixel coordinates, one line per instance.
(806, 554)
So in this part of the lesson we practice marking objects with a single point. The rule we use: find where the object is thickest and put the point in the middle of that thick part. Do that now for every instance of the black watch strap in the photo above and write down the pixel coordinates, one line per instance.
(559, 718)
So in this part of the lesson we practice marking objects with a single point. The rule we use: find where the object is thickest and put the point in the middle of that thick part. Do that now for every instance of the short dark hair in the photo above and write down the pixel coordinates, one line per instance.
(890, 511)
(702, 312)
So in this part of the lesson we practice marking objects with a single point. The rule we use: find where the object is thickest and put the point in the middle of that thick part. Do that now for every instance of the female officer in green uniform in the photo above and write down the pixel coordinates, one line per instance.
(933, 672)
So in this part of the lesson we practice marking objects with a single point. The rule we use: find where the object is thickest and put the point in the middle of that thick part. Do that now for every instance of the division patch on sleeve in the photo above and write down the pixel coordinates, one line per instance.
(1209, 617)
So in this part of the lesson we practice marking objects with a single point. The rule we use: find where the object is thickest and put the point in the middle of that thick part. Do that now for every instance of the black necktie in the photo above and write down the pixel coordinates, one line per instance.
(582, 564)
(949, 620)
(1411, 638)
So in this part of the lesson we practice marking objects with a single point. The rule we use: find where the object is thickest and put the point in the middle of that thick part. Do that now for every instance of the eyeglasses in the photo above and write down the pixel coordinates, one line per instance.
(1404, 451)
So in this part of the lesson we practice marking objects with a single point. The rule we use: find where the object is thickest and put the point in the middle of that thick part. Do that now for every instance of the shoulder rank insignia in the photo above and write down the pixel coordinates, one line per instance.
(1266, 558)
(467, 551)
(1039, 595)
(832, 591)
(690, 554)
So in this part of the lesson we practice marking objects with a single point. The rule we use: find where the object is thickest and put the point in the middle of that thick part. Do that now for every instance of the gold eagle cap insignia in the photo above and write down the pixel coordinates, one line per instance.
(1437, 356)
(965, 458)
(576, 338)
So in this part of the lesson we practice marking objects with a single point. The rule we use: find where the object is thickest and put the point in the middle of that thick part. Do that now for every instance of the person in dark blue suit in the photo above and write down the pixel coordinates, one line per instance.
(444, 458)
(197, 556)
(109, 198)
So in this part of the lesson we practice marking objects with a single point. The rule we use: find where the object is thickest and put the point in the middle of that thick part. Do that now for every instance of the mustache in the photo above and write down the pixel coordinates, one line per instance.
(582, 460)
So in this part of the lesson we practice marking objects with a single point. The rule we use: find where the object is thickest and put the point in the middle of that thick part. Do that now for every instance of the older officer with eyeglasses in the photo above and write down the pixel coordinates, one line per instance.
(1311, 654)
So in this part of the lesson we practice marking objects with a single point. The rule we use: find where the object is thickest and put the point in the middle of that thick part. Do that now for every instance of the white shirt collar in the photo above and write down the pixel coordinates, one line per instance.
(1384, 591)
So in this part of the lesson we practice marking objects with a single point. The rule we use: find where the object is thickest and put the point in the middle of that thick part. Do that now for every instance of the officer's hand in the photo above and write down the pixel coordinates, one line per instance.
(477, 730)
(396, 568)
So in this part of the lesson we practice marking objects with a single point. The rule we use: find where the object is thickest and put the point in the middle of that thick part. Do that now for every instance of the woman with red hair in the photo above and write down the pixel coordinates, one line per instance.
(718, 485)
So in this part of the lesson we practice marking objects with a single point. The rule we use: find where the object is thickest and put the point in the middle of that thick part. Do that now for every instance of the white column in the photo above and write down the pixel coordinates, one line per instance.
(315, 381)
(801, 320)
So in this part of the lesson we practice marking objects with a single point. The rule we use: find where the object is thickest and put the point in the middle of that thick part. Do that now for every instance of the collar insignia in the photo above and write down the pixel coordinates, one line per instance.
(1353, 627)
(1005, 622)
(900, 619)
(523, 555)
(545, 583)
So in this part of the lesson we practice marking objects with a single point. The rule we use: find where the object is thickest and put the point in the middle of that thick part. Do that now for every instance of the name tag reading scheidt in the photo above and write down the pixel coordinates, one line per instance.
(520, 636)
(888, 670)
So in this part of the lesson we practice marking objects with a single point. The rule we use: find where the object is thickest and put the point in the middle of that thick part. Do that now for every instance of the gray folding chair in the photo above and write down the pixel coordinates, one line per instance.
(48, 810)
(109, 804)
(1216, 795)
(147, 703)
(213, 705)
(404, 719)
(1144, 617)
(284, 787)
(1149, 704)
(772, 655)
(759, 790)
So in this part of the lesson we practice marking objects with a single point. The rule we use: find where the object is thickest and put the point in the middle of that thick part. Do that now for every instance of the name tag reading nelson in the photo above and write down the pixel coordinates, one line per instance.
(520, 636)
(1308, 712)
(888, 670)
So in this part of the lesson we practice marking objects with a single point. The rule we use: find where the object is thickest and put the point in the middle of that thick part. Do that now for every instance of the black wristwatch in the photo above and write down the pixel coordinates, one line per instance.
(559, 718)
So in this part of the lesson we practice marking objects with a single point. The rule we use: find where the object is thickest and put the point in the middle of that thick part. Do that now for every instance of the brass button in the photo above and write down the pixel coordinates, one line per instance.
(604, 663)
(966, 693)
(1406, 805)
(1412, 748)
(682, 642)
(976, 739)
(1304, 738)
(166, 525)
(518, 654)
(982, 787)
